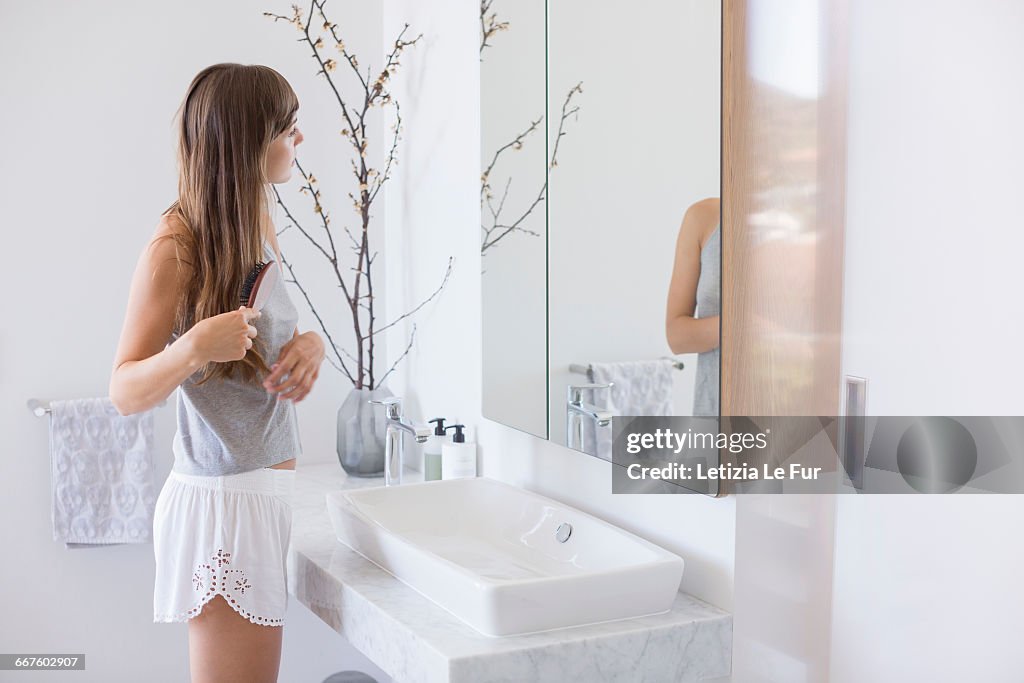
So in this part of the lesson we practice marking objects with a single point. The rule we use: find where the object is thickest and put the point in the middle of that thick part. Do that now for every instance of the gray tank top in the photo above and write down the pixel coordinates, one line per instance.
(229, 426)
(705, 393)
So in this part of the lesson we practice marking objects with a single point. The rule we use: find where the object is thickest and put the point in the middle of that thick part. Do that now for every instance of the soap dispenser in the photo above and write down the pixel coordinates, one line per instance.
(458, 456)
(432, 451)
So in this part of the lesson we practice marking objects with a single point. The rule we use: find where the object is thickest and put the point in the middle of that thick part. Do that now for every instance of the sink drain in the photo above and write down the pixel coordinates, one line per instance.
(563, 532)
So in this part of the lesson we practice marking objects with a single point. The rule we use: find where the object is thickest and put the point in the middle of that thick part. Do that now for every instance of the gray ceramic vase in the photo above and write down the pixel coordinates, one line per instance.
(361, 433)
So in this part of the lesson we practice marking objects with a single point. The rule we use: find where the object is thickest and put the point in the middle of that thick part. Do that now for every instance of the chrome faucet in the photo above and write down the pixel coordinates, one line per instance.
(396, 428)
(576, 410)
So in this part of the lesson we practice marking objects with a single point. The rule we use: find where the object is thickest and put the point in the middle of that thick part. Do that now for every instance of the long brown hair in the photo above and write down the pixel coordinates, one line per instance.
(226, 123)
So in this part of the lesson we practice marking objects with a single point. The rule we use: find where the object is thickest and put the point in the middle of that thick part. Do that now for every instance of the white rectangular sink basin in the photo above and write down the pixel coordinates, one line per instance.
(488, 552)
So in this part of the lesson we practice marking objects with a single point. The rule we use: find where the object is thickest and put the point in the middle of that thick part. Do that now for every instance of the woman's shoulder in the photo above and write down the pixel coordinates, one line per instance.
(700, 220)
(170, 241)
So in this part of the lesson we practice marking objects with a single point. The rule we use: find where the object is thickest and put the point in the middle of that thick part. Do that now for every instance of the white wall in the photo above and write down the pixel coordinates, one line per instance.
(927, 588)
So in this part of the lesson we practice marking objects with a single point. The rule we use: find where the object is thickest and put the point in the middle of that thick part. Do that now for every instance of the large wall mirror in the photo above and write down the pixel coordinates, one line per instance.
(614, 276)
(513, 241)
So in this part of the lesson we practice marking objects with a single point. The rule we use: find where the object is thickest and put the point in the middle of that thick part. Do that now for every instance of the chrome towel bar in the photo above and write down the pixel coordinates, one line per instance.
(588, 368)
(40, 407)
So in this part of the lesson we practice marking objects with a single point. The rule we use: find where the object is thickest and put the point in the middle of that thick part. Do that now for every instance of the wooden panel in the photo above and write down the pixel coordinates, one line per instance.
(783, 209)
(783, 178)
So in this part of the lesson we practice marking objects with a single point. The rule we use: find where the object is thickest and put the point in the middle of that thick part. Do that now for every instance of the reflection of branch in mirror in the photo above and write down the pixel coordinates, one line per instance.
(355, 113)
(489, 25)
(565, 114)
(497, 230)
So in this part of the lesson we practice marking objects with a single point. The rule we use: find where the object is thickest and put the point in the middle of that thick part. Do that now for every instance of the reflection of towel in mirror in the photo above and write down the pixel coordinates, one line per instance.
(102, 473)
(642, 387)
(705, 392)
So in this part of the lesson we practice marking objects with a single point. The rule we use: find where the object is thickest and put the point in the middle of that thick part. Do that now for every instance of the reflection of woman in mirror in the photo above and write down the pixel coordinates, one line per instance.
(691, 320)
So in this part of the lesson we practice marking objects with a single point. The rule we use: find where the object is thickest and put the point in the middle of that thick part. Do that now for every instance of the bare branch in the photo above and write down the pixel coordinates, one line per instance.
(317, 316)
(381, 179)
(447, 273)
(517, 142)
(405, 353)
(578, 88)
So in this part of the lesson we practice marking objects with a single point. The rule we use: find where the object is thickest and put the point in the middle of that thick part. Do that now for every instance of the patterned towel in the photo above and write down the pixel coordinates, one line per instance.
(102, 473)
(642, 387)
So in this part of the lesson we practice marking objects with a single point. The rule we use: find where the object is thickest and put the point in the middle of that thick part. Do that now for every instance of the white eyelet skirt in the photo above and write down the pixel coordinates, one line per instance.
(226, 535)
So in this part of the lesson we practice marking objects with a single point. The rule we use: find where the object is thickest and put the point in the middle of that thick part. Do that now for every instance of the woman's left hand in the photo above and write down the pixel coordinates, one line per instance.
(300, 359)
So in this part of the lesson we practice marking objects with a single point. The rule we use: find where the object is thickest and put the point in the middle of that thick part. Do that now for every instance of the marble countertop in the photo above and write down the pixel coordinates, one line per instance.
(417, 641)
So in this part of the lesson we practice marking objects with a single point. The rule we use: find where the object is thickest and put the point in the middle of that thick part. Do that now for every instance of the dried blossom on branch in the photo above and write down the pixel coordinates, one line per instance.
(357, 288)
(489, 25)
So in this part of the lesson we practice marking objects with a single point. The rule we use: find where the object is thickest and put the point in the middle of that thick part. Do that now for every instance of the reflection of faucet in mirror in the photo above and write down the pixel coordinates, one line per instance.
(694, 299)
(396, 428)
(576, 410)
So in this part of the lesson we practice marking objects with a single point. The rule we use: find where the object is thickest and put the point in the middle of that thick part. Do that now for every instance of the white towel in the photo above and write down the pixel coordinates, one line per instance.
(102, 473)
(642, 387)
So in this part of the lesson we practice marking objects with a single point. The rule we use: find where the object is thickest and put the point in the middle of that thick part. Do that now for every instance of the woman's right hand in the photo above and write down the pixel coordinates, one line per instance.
(225, 337)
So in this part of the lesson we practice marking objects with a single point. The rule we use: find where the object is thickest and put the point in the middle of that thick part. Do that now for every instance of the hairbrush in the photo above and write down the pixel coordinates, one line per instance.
(259, 284)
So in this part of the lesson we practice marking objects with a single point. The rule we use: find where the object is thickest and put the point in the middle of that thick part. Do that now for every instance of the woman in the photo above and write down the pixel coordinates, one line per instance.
(222, 522)
(695, 287)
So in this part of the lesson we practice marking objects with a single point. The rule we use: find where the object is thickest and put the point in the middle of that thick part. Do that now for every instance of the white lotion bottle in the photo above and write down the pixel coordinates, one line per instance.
(432, 451)
(458, 456)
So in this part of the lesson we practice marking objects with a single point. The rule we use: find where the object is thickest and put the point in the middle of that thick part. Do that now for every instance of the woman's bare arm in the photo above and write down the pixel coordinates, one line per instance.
(684, 332)
(146, 370)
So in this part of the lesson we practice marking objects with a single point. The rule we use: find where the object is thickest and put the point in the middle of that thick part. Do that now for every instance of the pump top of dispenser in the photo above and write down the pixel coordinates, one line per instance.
(459, 437)
(439, 427)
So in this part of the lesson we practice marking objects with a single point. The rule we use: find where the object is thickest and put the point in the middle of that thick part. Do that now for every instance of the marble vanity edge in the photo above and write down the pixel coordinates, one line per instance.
(392, 656)
(651, 655)
(652, 652)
